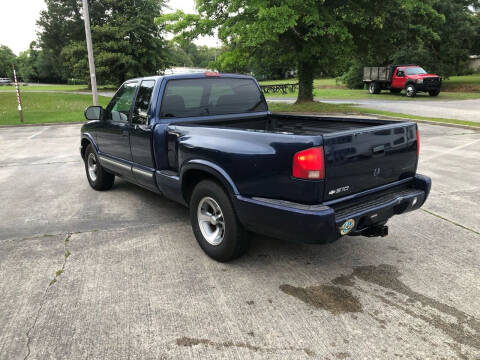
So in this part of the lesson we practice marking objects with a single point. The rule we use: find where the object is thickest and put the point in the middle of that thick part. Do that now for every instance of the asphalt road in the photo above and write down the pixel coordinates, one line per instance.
(452, 109)
(118, 274)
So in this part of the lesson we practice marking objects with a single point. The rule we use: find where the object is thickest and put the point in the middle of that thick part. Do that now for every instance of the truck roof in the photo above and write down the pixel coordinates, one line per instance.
(406, 65)
(193, 75)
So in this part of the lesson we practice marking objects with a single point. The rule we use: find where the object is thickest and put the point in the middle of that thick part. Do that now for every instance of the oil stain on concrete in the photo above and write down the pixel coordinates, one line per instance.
(465, 330)
(328, 297)
(336, 298)
(189, 342)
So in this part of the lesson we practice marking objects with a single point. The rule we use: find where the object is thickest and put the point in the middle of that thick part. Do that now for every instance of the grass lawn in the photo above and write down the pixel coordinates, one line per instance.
(319, 108)
(467, 83)
(54, 87)
(455, 88)
(45, 107)
(60, 107)
(317, 83)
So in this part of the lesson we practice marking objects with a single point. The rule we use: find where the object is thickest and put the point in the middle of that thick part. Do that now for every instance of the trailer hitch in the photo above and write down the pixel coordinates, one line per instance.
(376, 231)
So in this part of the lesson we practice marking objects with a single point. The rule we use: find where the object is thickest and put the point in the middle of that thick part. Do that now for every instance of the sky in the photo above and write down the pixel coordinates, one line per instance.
(18, 21)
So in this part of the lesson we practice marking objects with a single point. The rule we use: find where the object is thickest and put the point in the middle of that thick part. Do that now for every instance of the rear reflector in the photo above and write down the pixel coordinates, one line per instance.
(418, 143)
(309, 164)
(212, 74)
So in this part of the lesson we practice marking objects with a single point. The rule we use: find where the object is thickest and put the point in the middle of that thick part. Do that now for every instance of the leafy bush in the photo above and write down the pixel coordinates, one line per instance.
(353, 78)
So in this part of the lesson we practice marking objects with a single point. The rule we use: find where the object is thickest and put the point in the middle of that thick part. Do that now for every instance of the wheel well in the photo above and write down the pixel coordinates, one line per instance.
(84, 145)
(192, 177)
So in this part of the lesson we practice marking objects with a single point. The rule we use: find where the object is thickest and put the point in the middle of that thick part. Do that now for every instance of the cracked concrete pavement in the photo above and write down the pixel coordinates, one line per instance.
(118, 274)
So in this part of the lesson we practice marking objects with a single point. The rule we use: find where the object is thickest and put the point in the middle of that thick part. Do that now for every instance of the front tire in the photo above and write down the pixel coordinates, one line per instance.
(434, 92)
(98, 178)
(214, 223)
(410, 90)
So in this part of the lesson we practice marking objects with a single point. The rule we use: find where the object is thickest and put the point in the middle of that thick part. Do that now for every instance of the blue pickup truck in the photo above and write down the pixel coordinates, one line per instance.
(208, 141)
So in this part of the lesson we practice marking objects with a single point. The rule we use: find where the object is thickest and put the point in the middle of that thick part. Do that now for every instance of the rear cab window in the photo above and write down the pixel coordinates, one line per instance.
(211, 96)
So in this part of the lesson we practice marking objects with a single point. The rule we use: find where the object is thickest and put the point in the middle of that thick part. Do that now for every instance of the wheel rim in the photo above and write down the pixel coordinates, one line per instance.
(410, 90)
(211, 221)
(92, 166)
(372, 88)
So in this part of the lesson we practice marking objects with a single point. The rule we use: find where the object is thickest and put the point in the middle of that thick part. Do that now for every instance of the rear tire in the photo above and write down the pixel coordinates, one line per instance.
(98, 178)
(374, 88)
(410, 90)
(434, 92)
(214, 223)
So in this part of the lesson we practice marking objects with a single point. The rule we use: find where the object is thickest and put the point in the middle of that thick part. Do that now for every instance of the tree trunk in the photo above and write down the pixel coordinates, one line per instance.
(305, 81)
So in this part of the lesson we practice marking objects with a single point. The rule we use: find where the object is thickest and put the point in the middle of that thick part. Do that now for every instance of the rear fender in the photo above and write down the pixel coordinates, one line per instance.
(210, 168)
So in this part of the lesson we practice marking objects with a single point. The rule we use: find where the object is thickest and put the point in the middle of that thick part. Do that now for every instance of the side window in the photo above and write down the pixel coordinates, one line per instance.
(119, 108)
(142, 102)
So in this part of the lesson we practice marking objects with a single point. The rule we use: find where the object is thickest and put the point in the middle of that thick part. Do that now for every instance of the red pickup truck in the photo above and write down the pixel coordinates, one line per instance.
(395, 78)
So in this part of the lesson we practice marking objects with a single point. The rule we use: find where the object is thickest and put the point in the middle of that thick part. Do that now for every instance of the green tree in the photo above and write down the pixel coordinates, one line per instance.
(178, 56)
(59, 24)
(29, 63)
(307, 30)
(437, 34)
(186, 53)
(446, 54)
(126, 41)
(7, 58)
(314, 35)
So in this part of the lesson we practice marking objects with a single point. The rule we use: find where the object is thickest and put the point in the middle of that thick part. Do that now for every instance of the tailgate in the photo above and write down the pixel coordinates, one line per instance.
(359, 160)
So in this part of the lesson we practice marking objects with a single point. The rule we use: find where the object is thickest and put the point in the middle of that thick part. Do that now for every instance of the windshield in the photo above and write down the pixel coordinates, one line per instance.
(211, 96)
(415, 71)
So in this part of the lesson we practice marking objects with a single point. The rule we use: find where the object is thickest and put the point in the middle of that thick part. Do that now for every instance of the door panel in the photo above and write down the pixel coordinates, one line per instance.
(141, 136)
(398, 82)
(113, 134)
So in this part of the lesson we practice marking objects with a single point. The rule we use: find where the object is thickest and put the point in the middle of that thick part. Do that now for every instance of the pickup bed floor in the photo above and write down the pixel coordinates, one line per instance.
(298, 125)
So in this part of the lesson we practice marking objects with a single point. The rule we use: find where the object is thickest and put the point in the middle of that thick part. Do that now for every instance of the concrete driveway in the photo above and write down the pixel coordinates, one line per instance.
(118, 274)
(453, 109)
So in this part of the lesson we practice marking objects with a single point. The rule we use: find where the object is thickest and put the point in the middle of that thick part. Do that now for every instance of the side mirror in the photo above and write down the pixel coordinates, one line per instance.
(94, 113)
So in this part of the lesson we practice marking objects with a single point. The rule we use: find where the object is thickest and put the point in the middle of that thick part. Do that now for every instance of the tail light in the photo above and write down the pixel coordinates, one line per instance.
(211, 74)
(309, 164)
(418, 143)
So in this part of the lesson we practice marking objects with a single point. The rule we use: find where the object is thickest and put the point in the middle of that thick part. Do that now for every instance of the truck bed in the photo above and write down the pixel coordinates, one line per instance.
(378, 73)
(296, 125)
(359, 154)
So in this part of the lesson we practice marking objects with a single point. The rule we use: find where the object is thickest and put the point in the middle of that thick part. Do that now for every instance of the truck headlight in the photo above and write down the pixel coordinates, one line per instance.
(419, 81)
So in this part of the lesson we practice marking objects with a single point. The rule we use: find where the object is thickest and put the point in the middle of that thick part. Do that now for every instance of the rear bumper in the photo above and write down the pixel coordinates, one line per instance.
(317, 224)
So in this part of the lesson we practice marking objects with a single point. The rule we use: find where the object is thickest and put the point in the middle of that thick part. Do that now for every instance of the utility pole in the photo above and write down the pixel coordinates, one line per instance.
(91, 62)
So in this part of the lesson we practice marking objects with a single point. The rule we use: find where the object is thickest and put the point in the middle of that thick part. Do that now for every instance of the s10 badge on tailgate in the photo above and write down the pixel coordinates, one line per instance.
(339, 190)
